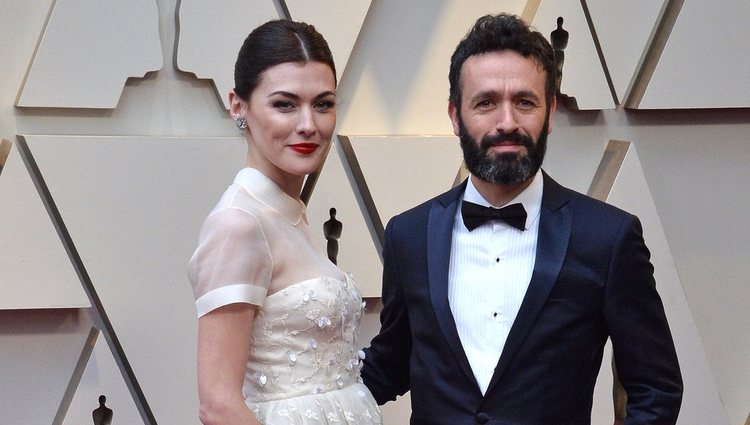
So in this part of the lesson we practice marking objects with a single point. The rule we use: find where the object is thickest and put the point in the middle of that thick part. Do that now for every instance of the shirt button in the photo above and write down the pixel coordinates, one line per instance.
(497, 260)
(482, 418)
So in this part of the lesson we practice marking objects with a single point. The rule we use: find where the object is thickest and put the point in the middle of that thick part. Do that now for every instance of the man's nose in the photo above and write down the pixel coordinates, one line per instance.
(505, 119)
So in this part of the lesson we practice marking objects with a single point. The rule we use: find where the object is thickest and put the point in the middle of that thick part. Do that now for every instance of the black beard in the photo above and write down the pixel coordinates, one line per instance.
(505, 168)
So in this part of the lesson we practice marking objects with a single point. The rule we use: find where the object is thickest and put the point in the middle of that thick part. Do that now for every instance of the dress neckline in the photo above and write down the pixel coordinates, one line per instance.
(265, 190)
(345, 281)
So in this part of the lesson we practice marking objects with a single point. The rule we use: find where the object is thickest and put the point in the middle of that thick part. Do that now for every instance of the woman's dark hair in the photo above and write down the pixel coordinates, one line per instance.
(502, 32)
(274, 43)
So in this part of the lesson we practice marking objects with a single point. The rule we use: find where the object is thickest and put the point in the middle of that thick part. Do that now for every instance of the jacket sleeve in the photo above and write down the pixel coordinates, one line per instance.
(386, 364)
(644, 352)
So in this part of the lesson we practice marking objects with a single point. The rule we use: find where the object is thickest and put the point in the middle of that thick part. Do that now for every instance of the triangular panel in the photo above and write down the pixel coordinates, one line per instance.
(121, 195)
(603, 411)
(101, 376)
(339, 21)
(702, 65)
(418, 37)
(39, 350)
(583, 76)
(402, 171)
(612, 19)
(701, 401)
(358, 252)
(88, 49)
(211, 34)
(36, 270)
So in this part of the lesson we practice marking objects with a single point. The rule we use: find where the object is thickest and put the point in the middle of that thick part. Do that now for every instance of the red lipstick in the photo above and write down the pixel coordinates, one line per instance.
(304, 148)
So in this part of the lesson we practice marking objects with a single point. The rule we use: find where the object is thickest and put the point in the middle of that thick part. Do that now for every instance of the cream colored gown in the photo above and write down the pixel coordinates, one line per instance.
(303, 364)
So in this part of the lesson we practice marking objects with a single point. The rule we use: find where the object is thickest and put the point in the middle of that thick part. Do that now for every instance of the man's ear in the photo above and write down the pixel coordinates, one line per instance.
(453, 114)
(552, 108)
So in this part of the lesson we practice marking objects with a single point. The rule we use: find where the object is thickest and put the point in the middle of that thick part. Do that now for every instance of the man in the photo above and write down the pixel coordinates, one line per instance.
(504, 322)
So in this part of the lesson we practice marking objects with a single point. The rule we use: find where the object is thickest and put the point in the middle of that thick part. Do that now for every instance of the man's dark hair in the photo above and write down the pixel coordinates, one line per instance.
(502, 32)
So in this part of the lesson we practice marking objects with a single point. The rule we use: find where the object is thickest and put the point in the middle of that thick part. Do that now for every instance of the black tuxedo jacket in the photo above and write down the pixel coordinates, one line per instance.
(592, 279)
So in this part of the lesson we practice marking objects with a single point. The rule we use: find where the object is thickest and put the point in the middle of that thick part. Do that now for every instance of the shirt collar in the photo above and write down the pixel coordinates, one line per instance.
(269, 193)
(530, 198)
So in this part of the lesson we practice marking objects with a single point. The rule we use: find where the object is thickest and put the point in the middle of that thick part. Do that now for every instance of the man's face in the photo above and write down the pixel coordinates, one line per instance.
(504, 117)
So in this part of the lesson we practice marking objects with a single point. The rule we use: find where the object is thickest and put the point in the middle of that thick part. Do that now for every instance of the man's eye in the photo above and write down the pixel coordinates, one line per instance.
(525, 103)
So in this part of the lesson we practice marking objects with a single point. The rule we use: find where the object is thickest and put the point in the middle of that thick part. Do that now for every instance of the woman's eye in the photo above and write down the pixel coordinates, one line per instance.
(283, 105)
(325, 105)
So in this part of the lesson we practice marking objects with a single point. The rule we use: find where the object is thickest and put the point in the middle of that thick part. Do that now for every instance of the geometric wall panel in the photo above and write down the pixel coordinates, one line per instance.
(417, 168)
(35, 271)
(397, 411)
(395, 84)
(612, 19)
(418, 36)
(88, 49)
(338, 21)
(366, 196)
(583, 78)
(38, 351)
(701, 399)
(145, 199)
(211, 33)
(605, 391)
(603, 410)
(359, 247)
(704, 62)
(5, 147)
(100, 377)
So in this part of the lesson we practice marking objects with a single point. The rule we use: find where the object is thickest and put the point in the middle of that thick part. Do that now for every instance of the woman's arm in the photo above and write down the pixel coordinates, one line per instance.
(223, 344)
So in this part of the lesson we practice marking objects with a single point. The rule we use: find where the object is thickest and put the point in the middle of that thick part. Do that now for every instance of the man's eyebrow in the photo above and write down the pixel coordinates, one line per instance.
(527, 94)
(485, 94)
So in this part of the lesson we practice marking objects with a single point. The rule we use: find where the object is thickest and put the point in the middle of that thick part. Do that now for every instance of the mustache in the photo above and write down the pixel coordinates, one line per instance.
(514, 137)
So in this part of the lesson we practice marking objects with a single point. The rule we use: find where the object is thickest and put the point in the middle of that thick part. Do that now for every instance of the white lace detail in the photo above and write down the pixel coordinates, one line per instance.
(304, 362)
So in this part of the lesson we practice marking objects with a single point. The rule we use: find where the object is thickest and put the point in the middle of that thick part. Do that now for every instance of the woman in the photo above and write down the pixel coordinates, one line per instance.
(277, 320)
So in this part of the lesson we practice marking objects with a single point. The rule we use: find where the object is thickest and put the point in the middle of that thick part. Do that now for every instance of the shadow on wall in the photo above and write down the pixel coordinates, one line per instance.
(396, 48)
(5, 146)
(41, 321)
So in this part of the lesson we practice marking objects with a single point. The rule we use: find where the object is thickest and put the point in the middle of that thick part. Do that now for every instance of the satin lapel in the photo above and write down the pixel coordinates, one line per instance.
(552, 244)
(439, 237)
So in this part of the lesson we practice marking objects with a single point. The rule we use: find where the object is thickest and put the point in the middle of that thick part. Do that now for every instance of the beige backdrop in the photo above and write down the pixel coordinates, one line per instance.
(133, 169)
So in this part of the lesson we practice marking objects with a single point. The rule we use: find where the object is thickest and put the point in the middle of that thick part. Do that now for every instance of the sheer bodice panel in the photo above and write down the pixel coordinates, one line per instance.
(255, 242)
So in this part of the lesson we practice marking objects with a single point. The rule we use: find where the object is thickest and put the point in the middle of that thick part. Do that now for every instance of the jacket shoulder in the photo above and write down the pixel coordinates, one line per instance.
(420, 213)
(556, 196)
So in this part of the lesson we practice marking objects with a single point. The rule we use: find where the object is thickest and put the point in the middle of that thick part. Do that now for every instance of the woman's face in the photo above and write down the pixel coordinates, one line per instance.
(290, 117)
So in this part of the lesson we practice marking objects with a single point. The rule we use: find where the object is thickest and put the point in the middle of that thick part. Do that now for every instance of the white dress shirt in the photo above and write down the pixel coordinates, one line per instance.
(490, 271)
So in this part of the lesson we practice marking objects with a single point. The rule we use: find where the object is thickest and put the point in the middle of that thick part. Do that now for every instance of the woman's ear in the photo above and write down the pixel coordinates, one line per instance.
(236, 104)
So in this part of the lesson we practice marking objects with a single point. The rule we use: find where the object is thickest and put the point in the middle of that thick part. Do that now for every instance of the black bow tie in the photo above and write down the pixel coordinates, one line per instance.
(475, 215)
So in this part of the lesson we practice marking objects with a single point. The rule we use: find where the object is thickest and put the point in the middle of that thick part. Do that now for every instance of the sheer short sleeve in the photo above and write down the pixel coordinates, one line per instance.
(232, 263)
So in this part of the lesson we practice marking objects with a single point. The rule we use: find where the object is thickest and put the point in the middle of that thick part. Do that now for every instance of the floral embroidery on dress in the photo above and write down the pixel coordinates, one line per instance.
(304, 361)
